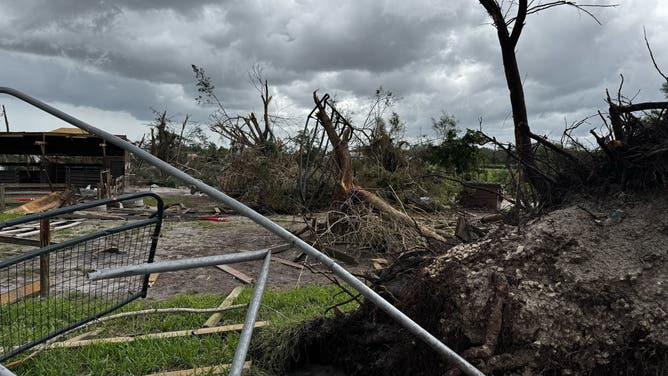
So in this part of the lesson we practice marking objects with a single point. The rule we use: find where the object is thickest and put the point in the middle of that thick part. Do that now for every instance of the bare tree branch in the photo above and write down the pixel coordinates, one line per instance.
(651, 55)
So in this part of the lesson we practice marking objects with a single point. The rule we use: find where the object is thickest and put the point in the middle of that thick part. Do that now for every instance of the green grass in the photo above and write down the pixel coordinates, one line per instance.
(151, 201)
(8, 216)
(284, 309)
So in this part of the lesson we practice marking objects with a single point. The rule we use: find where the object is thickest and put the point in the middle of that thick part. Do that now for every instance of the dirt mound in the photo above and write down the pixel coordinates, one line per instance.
(573, 292)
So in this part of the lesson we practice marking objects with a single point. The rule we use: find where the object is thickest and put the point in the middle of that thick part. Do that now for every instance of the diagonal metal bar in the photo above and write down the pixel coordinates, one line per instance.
(244, 210)
(251, 315)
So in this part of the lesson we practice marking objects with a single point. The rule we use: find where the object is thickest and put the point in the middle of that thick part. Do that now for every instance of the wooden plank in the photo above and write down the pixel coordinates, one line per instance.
(19, 241)
(287, 262)
(82, 336)
(20, 293)
(227, 302)
(212, 370)
(243, 277)
(178, 333)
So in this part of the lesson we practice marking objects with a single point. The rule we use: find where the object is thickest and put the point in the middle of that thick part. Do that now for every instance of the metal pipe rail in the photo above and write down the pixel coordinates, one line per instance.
(244, 210)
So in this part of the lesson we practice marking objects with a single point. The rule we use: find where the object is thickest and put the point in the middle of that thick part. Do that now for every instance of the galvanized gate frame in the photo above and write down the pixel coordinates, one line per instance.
(244, 210)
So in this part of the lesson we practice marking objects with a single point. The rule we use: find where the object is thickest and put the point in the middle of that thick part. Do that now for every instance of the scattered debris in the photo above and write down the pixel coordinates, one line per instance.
(243, 277)
(50, 201)
(214, 218)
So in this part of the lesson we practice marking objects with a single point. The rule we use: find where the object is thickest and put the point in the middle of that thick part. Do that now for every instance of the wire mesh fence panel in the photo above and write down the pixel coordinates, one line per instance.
(46, 292)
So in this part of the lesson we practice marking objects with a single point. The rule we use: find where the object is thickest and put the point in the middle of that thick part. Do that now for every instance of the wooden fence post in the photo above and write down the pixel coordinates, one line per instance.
(2, 197)
(44, 240)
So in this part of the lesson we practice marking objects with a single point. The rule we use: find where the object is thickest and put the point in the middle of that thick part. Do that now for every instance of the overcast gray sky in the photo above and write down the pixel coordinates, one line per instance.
(111, 62)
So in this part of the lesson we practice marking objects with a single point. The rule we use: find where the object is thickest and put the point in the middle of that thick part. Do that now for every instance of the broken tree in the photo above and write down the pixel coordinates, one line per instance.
(339, 140)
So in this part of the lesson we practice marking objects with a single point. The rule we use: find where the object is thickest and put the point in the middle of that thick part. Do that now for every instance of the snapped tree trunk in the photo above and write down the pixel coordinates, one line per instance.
(346, 184)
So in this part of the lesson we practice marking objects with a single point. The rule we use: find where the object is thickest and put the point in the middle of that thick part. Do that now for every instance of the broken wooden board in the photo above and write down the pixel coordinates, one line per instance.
(51, 201)
(212, 370)
(243, 277)
(178, 333)
(287, 262)
(227, 302)
(22, 292)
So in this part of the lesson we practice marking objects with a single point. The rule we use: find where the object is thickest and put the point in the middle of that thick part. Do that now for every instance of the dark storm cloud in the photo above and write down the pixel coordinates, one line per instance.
(438, 56)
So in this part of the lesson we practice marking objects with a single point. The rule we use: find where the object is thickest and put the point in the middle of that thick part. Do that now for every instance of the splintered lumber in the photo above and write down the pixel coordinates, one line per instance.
(212, 370)
(227, 302)
(178, 333)
(152, 278)
(15, 295)
(287, 262)
(51, 201)
(243, 277)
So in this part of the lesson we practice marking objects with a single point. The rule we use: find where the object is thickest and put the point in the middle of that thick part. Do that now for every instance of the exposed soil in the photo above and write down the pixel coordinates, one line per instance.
(566, 294)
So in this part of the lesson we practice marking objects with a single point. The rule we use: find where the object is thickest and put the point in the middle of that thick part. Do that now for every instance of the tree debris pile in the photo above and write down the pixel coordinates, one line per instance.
(575, 292)
(636, 147)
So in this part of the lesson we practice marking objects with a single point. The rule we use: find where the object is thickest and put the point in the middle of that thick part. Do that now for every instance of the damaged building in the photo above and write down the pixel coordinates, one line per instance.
(64, 157)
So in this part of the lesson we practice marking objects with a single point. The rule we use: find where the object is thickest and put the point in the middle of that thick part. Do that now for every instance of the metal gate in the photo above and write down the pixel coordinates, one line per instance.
(46, 292)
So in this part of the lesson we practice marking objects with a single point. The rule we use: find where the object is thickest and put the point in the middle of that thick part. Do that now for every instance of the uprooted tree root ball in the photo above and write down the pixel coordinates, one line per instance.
(571, 293)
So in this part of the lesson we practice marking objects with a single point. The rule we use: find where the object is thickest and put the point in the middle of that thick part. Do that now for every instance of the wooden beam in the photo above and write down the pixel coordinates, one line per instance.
(227, 302)
(243, 277)
(19, 241)
(178, 333)
(213, 370)
(287, 262)
(20, 293)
